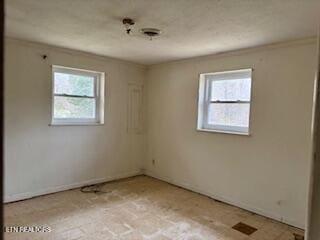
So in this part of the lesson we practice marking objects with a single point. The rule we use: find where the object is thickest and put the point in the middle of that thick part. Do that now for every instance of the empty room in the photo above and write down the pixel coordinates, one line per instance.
(161, 120)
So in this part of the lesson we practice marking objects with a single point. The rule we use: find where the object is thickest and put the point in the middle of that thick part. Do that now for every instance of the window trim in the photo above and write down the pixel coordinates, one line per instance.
(99, 94)
(204, 102)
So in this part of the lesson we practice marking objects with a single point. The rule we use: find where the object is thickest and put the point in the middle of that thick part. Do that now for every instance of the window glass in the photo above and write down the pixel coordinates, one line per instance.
(74, 107)
(73, 84)
(231, 90)
(234, 114)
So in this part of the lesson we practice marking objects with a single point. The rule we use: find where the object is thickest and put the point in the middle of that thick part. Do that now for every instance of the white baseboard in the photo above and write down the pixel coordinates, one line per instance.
(27, 195)
(233, 202)
(22, 196)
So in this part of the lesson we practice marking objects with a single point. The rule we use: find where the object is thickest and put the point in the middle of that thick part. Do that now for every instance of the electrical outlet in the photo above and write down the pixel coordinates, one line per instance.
(153, 161)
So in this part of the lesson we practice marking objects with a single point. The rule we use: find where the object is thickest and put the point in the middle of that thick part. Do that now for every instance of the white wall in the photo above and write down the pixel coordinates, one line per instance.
(41, 158)
(266, 172)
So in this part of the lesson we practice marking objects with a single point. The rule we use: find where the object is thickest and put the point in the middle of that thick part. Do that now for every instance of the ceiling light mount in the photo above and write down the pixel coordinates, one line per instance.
(150, 32)
(128, 23)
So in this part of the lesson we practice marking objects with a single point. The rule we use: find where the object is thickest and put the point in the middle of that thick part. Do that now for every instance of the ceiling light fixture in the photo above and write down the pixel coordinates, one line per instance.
(128, 23)
(150, 32)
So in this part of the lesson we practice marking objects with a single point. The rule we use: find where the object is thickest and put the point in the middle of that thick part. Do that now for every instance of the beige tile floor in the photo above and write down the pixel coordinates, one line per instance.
(138, 208)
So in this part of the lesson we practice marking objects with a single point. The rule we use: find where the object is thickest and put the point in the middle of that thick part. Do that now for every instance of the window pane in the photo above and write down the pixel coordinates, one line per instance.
(229, 114)
(231, 90)
(70, 107)
(73, 84)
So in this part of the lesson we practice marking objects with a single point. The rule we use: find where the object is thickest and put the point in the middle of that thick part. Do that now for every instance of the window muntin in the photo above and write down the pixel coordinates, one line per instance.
(77, 96)
(224, 101)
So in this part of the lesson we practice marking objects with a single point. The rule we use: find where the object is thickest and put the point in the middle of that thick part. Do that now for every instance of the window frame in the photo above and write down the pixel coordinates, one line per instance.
(204, 101)
(99, 87)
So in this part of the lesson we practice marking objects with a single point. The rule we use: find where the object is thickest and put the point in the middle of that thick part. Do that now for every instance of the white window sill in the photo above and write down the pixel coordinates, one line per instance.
(223, 131)
(75, 124)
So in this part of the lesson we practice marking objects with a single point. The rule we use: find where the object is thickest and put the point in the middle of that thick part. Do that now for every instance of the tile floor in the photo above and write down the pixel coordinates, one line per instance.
(138, 208)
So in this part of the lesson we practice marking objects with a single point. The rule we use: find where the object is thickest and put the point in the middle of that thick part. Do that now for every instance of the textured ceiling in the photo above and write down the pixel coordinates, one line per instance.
(190, 27)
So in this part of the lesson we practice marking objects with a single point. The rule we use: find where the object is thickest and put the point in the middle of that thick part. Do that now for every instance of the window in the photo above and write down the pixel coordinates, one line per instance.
(224, 101)
(78, 96)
